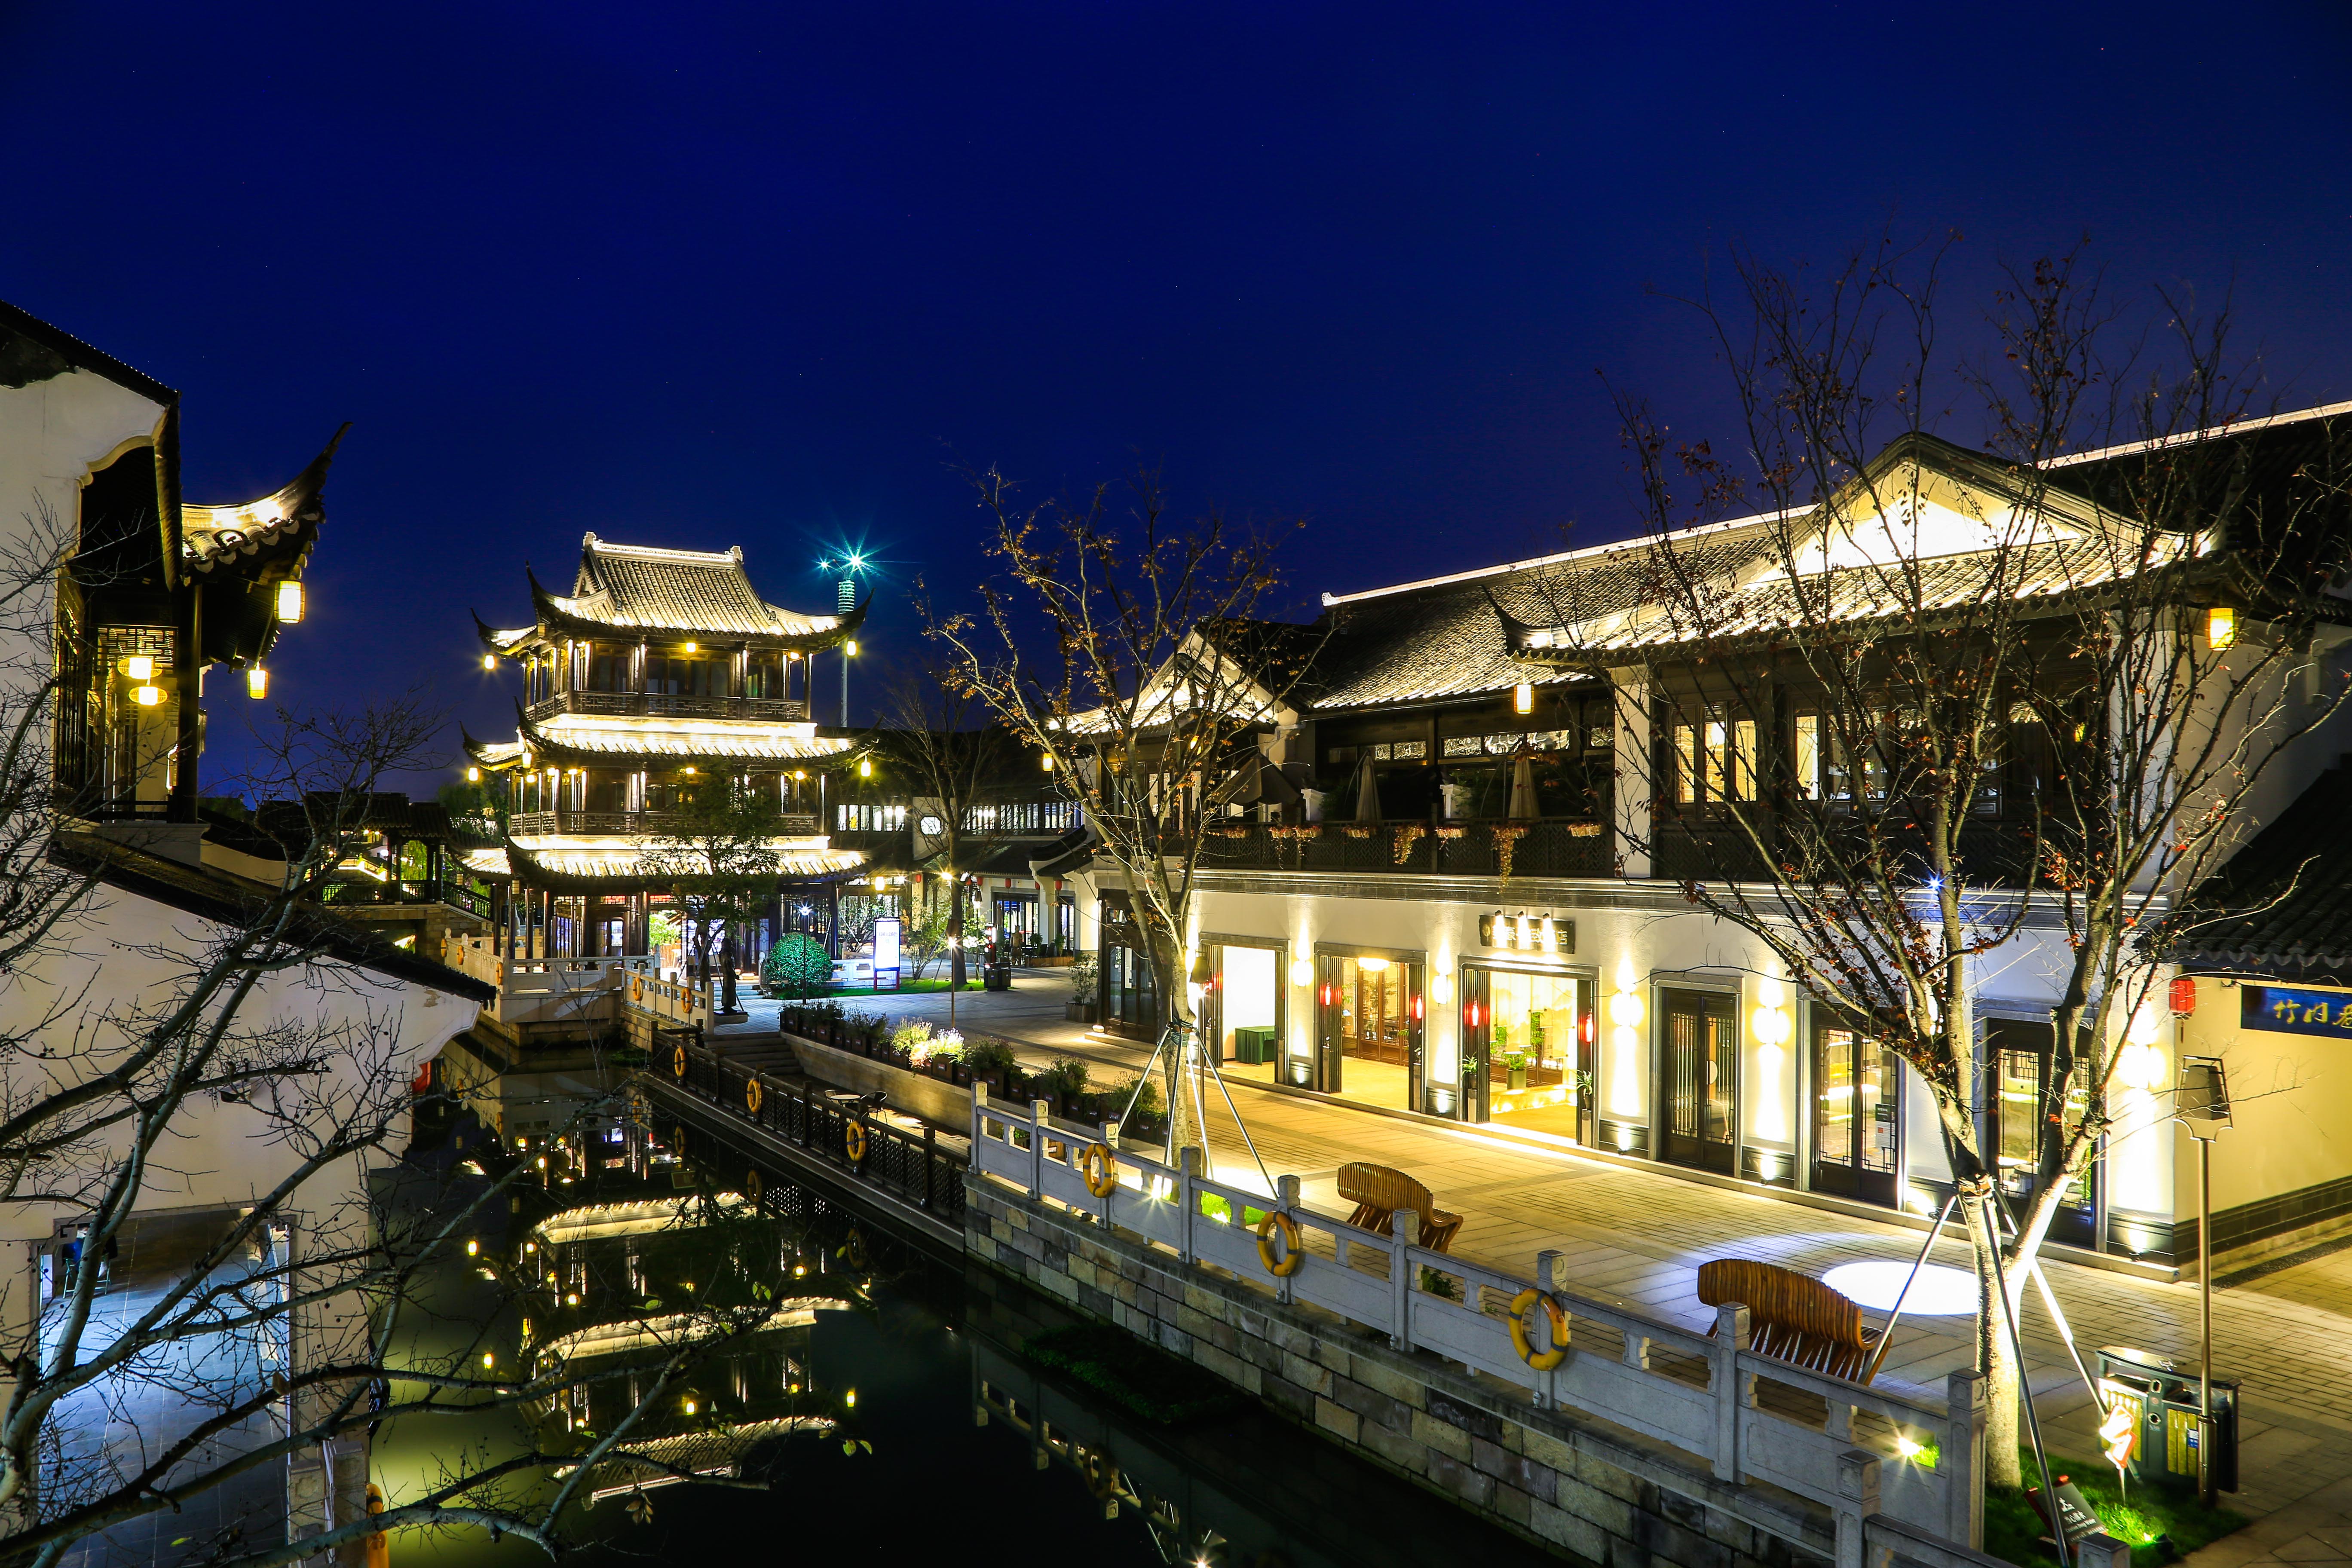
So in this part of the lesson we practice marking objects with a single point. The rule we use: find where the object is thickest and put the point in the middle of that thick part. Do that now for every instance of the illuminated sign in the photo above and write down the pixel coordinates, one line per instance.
(2296, 1010)
(886, 947)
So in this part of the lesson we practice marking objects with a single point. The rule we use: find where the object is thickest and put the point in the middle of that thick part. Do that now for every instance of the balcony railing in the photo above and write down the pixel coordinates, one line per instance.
(775, 710)
(1551, 847)
(432, 890)
(792, 824)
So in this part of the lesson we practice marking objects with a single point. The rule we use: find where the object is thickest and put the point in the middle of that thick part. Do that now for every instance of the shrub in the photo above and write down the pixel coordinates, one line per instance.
(1086, 980)
(1146, 1104)
(797, 965)
(1066, 1078)
(914, 1037)
(988, 1055)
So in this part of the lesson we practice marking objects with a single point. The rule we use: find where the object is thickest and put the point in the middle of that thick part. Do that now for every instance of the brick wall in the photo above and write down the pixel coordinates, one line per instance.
(1605, 1496)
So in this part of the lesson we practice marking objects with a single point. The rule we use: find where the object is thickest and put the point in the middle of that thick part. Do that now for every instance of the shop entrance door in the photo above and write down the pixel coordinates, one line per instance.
(1368, 1030)
(1701, 1081)
(2019, 1056)
(1856, 1085)
(1527, 1050)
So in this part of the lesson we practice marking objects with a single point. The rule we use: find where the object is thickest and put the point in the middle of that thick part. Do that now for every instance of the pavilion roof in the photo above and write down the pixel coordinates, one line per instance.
(597, 863)
(584, 738)
(642, 590)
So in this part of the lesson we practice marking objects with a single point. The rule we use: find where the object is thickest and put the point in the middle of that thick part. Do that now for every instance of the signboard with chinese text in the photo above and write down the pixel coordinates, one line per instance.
(2296, 1010)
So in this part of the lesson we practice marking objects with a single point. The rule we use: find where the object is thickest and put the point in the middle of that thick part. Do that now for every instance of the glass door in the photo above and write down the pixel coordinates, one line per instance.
(1527, 1042)
(1368, 1028)
(1855, 1086)
(2018, 1060)
(1702, 1080)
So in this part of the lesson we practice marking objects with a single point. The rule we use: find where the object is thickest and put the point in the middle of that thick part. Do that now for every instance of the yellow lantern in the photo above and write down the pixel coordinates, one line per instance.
(489, 661)
(1523, 697)
(289, 601)
(139, 666)
(2221, 628)
(147, 696)
(257, 683)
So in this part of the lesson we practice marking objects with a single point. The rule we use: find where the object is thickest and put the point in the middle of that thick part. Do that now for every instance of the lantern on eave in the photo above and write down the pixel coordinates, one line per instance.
(2183, 995)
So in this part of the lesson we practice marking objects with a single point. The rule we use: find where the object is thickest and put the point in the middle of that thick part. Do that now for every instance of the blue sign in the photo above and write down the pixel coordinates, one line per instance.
(2296, 1010)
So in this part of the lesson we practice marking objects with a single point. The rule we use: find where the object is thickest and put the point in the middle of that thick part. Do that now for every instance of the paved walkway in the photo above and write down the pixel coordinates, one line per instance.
(1639, 1237)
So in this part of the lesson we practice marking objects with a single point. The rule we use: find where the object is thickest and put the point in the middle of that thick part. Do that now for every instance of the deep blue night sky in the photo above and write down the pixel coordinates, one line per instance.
(700, 277)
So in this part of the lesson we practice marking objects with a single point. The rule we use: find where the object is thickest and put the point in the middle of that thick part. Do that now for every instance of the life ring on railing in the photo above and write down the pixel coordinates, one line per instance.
(638, 989)
(753, 1187)
(1557, 1317)
(1292, 1254)
(1101, 1475)
(753, 1095)
(852, 1142)
(1098, 1168)
(677, 1061)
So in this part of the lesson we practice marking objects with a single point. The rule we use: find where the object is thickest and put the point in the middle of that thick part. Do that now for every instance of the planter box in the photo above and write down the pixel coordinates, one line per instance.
(1078, 1012)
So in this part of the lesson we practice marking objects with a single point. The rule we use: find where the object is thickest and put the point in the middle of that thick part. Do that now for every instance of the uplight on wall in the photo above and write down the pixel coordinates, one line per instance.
(1523, 697)
(289, 601)
(257, 682)
(2221, 628)
(1626, 1012)
(1440, 988)
(1302, 971)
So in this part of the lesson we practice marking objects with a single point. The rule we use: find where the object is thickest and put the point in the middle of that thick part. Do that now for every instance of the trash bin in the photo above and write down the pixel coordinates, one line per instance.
(2162, 1397)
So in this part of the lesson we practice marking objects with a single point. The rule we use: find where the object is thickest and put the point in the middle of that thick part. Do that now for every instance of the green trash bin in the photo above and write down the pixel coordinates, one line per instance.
(1253, 1045)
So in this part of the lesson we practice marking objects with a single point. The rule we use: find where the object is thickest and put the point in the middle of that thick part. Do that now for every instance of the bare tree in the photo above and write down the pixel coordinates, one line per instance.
(148, 1049)
(1124, 647)
(1912, 711)
(717, 852)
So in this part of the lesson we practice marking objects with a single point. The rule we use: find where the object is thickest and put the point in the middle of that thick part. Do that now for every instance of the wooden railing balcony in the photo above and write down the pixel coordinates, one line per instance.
(1549, 847)
(523, 823)
(639, 704)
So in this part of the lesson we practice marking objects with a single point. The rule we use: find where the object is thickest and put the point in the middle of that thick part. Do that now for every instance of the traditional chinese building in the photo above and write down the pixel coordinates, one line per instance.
(661, 668)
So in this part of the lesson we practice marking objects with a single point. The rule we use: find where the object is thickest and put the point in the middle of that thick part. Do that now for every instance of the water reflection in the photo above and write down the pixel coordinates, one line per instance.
(958, 1448)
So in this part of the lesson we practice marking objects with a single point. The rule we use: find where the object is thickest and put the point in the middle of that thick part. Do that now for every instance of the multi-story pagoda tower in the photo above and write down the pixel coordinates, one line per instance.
(661, 670)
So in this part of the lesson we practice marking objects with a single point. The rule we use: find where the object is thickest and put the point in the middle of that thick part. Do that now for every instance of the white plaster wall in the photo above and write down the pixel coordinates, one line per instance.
(2291, 1102)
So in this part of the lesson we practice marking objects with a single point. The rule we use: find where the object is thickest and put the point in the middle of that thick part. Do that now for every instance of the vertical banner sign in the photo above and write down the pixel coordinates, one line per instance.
(886, 951)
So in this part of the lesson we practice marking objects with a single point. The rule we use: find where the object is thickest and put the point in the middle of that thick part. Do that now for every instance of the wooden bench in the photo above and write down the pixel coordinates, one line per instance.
(1791, 1317)
(1377, 1191)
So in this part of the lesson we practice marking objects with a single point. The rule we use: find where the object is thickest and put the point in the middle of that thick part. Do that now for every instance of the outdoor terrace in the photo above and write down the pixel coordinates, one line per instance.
(1540, 847)
(569, 820)
(635, 704)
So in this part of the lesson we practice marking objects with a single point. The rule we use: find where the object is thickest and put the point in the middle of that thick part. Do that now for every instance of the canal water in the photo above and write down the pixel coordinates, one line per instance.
(964, 1449)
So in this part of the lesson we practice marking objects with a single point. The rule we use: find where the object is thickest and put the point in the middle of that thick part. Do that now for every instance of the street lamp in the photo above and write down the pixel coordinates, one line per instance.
(2202, 1099)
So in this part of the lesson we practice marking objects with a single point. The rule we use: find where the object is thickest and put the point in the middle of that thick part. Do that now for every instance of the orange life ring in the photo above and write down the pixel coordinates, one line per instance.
(1292, 1254)
(1098, 1168)
(753, 1185)
(752, 1094)
(677, 1061)
(853, 1144)
(638, 989)
(1557, 1317)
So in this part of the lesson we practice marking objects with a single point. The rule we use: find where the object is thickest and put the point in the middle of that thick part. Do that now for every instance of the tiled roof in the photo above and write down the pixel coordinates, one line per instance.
(640, 588)
(613, 864)
(2283, 903)
(284, 524)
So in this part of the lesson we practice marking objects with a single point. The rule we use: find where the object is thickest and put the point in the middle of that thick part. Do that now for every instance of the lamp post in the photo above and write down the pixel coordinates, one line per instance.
(2201, 1098)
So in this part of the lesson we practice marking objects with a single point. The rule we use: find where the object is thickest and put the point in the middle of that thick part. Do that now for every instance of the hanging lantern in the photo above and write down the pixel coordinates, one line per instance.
(257, 683)
(1523, 697)
(473, 775)
(139, 666)
(289, 601)
(147, 696)
(2183, 995)
(2221, 628)
(489, 661)
(866, 767)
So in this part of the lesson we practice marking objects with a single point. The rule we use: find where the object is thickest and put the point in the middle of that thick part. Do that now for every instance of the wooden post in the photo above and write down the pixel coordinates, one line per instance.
(1857, 1500)
(1727, 1387)
(1407, 1224)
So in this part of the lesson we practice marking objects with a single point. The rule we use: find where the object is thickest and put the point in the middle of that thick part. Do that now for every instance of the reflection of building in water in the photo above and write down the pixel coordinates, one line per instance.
(615, 1290)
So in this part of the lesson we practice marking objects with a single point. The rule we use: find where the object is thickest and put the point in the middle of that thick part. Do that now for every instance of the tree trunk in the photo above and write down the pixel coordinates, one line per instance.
(955, 933)
(727, 980)
(1996, 1356)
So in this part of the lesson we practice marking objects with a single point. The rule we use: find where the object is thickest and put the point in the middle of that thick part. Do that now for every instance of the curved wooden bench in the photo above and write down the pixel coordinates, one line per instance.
(1791, 1317)
(1379, 1190)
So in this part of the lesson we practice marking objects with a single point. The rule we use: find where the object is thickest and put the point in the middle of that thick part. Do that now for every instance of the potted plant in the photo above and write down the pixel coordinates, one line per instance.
(1516, 1064)
(1086, 979)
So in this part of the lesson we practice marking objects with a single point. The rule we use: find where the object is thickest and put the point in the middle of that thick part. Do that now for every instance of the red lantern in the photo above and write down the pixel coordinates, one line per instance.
(2184, 996)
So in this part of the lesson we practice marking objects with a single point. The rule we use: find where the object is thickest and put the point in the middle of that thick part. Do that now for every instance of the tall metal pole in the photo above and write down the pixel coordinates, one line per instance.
(2053, 1511)
(2205, 1320)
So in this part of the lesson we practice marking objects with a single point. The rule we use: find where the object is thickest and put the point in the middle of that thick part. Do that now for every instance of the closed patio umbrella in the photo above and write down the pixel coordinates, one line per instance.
(1523, 789)
(1367, 791)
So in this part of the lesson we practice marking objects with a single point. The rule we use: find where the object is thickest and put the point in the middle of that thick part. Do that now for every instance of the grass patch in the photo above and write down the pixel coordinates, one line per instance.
(1149, 1381)
(1216, 1208)
(2160, 1526)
